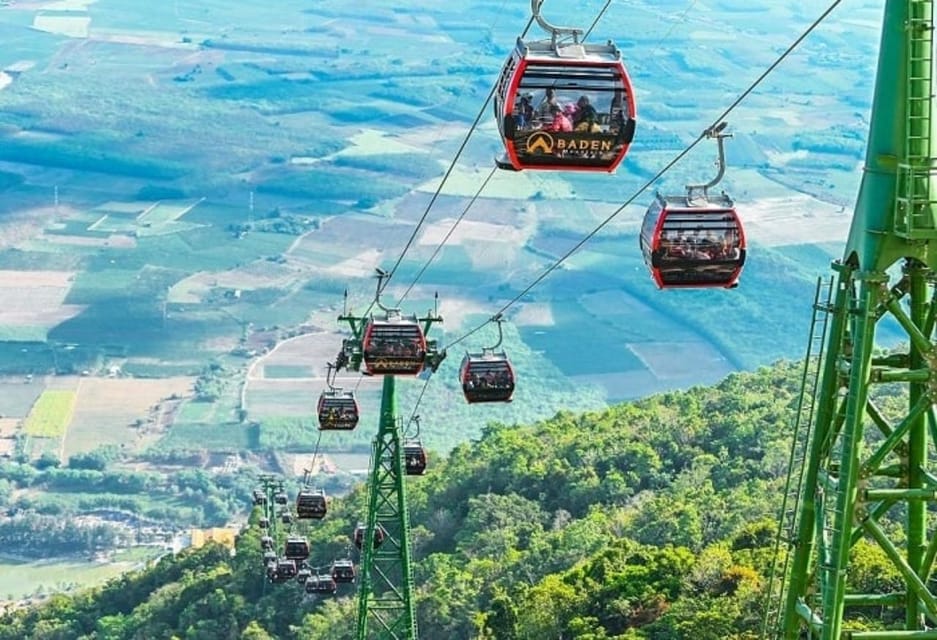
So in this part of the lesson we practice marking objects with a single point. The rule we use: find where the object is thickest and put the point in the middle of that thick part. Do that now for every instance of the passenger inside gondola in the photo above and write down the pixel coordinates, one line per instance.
(524, 111)
(559, 121)
(586, 118)
(544, 109)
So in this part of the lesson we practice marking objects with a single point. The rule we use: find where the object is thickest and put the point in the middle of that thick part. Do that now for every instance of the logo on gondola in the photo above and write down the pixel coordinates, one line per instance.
(544, 143)
(540, 142)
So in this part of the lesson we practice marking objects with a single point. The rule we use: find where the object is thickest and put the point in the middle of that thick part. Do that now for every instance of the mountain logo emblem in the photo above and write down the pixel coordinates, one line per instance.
(540, 142)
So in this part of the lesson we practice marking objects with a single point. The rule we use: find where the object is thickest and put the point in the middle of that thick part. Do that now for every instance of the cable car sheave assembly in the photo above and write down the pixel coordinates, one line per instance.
(564, 104)
(695, 240)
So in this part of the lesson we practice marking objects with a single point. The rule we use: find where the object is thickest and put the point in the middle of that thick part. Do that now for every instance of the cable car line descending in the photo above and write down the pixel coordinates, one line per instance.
(597, 18)
(395, 344)
(455, 159)
(706, 133)
(446, 238)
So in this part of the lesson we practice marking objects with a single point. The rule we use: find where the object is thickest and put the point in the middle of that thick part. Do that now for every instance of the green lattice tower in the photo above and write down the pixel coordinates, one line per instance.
(863, 462)
(385, 589)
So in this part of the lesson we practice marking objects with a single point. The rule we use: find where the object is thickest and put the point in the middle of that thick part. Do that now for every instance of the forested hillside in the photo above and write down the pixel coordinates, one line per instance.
(653, 519)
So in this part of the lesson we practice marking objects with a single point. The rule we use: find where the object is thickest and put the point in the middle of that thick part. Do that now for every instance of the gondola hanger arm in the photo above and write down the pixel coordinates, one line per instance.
(716, 132)
(554, 31)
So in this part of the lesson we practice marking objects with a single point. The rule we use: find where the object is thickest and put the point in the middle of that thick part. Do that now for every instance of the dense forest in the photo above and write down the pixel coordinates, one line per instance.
(650, 520)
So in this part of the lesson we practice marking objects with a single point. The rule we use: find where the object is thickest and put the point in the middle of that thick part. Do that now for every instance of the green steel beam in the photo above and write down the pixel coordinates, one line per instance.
(894, 225)
(385, 591)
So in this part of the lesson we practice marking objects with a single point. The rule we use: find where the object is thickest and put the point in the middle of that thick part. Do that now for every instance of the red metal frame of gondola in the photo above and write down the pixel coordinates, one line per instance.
(696, 202)
(521, 63)
(655, 246)
(410, 367)
(489, 354)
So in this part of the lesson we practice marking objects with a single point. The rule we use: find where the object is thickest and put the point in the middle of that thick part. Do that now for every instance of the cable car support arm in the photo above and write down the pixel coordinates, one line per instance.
(717, 133)
(555, 32)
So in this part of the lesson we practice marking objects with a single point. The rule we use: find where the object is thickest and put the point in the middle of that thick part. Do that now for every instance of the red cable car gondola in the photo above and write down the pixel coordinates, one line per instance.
(394, 345)
(320, 584)
(694, 240)
(564, 105)
(379, 535)
(337, 410)
(297, 548)
(414, 458)
(487, 376)
(311, 504)
(343, 571)
(285, 570)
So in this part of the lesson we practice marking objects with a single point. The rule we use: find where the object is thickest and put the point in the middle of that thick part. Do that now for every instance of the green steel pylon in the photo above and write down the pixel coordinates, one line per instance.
(385, 595)
(866, 461)
(385, 591)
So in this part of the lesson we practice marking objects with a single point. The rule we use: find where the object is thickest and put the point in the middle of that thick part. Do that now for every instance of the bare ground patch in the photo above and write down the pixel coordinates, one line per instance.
(8, 427)
(256, 275)
(799, 219)
(35, 297)
(107, 410)
(19, 226)
(434, 234)
(535, 314)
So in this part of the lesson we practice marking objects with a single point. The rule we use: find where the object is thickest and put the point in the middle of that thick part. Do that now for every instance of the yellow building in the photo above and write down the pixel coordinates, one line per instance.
(215, 534)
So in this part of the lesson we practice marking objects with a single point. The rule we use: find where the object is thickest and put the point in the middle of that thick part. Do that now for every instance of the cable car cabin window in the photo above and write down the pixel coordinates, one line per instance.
(696, 247)
(338, 411)
(573, 113)
(487, 378)
(394, 348)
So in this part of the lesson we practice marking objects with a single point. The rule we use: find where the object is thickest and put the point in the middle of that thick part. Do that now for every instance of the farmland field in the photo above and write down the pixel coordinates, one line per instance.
(107, 409)
(50, 416)
(19, 580)
(231, 206)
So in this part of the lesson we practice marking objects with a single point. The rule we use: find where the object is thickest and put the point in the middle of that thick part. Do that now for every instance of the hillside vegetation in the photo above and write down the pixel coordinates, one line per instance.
(653, 519)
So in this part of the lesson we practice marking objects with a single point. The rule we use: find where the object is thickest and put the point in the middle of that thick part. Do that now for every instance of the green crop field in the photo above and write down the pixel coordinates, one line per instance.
(19, 580)
(50, 415)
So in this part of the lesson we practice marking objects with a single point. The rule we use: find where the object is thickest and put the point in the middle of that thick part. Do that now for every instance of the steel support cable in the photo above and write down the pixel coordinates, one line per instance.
(656, 177)
(485, 106)
(315, 454)
(419, 399)
(416, 229)
(443, 242)
(585, 36)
